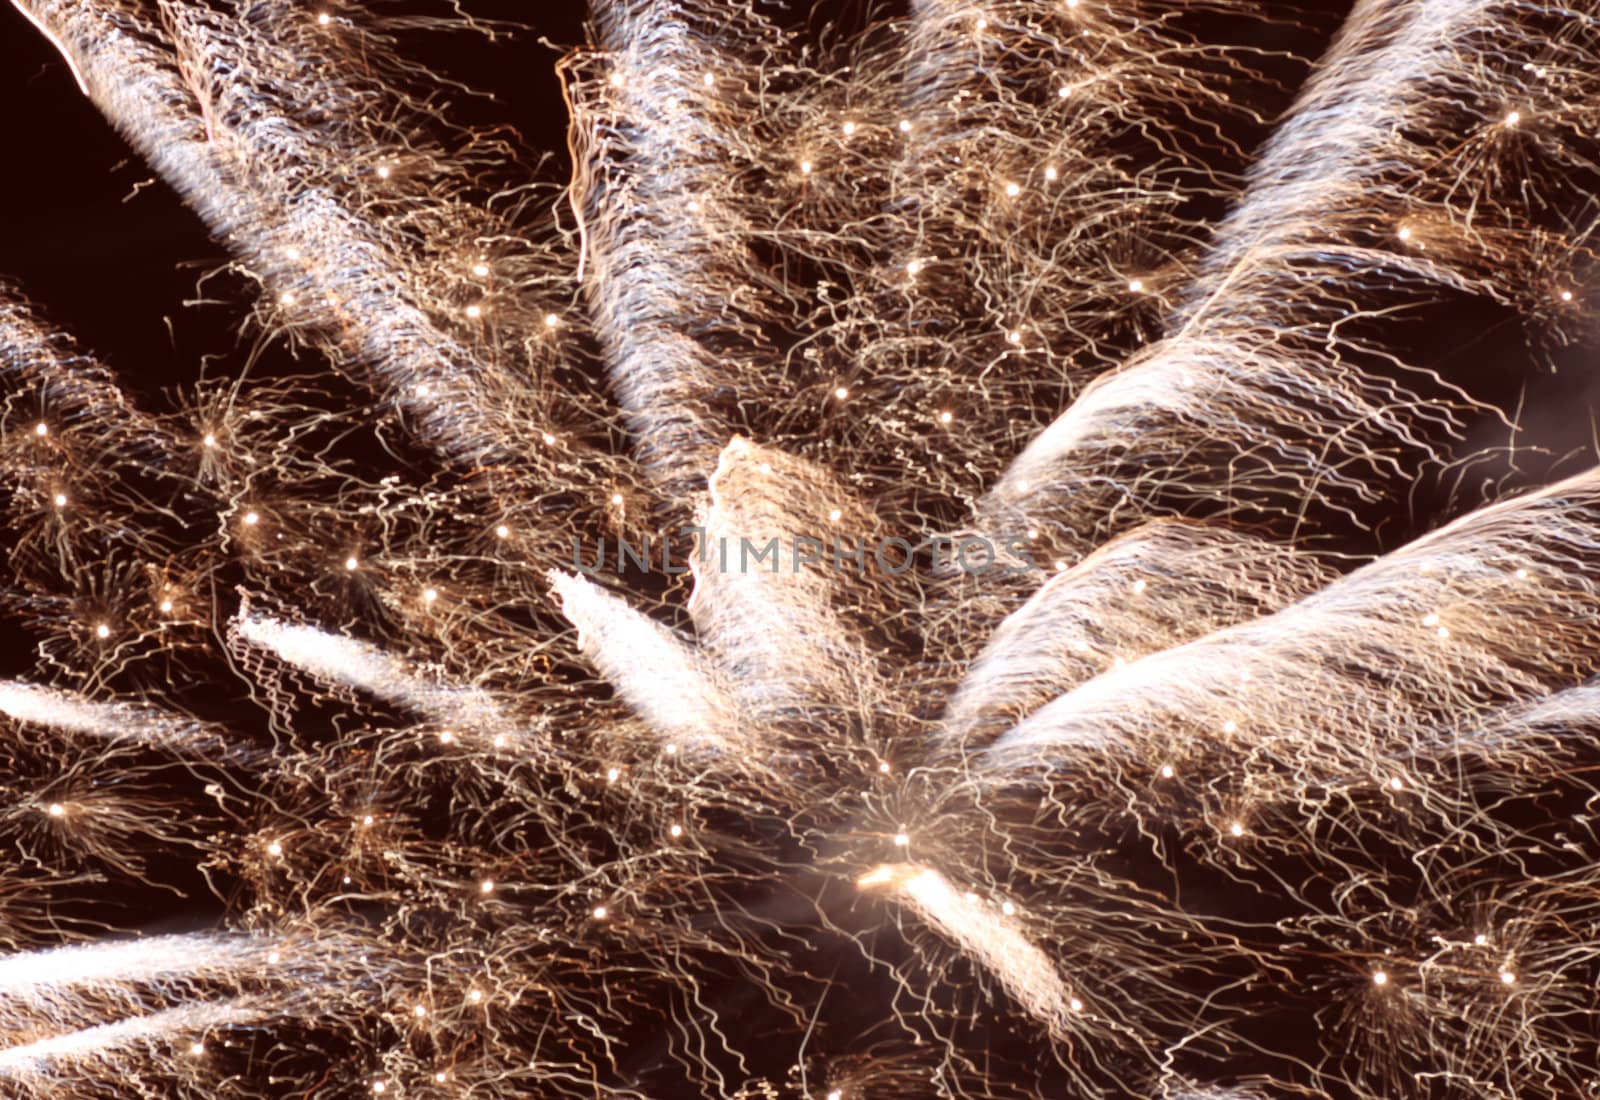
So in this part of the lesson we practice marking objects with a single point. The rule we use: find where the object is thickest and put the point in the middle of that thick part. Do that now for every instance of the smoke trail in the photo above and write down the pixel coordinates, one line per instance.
(71, 713)
(656, 672)
(782, 623)
(60, 981)
(666, 235)
(1156, 587)
(364, 667)
(978, 929)
(45, 1066)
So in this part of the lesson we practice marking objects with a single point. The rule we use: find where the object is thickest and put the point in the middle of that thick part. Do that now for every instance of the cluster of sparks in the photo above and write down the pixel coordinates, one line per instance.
(1248, 777)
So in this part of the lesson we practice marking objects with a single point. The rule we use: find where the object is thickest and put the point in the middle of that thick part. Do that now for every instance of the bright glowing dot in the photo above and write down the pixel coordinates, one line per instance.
(429, 595)
(709, 79)
(57, 809)
(486, 886)
(251, 519)
(1480, 939)
(383, 171)
(946, 417)
(61, 500)
(1507, 977)
(835, 1094)
(1140, 585)
(1136, 285)
(599, 912)
(1166, 771)
(1033, 533)
(901, 840)
(1237, 828)
(1077, 1005)
(1405, 233)
(1061, 566)
(836, 515)
(274, 957)
(883, 767)
(672, 750)
(475, 996)
(352, 564)
(1396, 783)
(324, 19)
(1063, 92)
(480, 270)
(765, 467)
(612, 774)
(1014, 336)
(1072, 3)
(1013, 190)
(805, 167)
(849, 128)
(166, 605)
(1008, 909)
(447, 737)
(551, 320)
(499, 741)
(676, 830)
(378, 1086)
(1430, 620)
(1444, 632)
(616, 498)
(1230, 726)
(1566, 295)
(694, 206)
(914, 267)
(1522, 574)
(841, 393)
(1380, 978)
(439, 1077)
(292, 252)
(982, 24)
(502, 532)
(474, 311)
(1050, 172)
(548, 439)
(102, 631)
(275, 849)
(367, 820)
(616, 80)
(1513, 117)
(41, 428)
(197, 1049)
(905, 126)
(419, 1011)
(209, 440)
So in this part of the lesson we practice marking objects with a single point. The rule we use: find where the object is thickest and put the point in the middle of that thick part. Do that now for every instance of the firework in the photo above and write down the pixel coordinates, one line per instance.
(955, 560)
